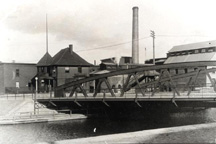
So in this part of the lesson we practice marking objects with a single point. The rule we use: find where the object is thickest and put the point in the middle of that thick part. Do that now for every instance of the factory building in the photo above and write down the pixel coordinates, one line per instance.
(195, 52)
(16, 77)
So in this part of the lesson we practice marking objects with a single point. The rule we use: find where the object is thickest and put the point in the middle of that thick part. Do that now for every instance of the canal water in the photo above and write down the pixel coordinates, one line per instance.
(53, 131)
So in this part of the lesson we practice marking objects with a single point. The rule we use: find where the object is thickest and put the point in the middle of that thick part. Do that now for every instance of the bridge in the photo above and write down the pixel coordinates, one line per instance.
(138, 91)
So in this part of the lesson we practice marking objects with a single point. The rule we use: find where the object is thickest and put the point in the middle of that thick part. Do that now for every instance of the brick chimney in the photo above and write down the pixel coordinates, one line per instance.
(71, 48)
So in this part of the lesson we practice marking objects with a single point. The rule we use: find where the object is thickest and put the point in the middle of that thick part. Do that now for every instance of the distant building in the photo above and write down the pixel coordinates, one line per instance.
(195, 52)
(62, 68)
(68, 66)
(16, 77)
(158, 61)
(44, 74)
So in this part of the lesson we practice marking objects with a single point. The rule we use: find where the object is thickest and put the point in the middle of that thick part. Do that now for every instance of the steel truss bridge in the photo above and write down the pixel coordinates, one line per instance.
(137, 91)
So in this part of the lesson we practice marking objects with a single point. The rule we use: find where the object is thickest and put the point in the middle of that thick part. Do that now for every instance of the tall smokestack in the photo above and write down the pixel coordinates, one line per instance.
(135, 37)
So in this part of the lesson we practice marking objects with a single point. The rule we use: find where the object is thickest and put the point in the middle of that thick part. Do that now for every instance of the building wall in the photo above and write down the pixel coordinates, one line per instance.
(26, 73)
(2, 88)
(213, 76)
(62, 76)
(181, 83)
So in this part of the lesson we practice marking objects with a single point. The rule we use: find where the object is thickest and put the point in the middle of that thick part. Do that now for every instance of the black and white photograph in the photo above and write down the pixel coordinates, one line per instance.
(107, 71)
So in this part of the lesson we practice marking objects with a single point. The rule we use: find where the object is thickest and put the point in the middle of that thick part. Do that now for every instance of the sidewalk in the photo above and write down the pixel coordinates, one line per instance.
(201, 133)
(41, 118)
(22, 111)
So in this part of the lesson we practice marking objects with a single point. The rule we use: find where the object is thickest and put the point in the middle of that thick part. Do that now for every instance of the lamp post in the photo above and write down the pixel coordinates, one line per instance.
(35, 97)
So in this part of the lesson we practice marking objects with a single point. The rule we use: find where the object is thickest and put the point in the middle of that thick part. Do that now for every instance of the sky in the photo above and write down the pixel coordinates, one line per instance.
(100, 29)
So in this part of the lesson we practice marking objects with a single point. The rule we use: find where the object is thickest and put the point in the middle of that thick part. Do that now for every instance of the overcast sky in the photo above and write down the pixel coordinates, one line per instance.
(92, 24)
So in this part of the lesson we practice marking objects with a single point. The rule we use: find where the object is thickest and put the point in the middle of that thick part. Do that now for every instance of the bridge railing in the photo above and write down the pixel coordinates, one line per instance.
(198, 91)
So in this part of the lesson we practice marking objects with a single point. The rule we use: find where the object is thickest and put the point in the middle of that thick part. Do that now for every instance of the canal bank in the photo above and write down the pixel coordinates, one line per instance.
(22, 111)
(200, 133)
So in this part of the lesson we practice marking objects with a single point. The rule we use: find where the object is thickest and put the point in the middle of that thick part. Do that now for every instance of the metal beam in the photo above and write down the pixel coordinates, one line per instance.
(109, 87)
(63, 93)
(83, 90)
(194, 81)
(207, 73)
(188, 83)
(125, 85)
(138, 69)
(97, 88)
(157, 82)
(172, 83)
(179, 76)
(72, 91)
(135, 77)
(135, 83)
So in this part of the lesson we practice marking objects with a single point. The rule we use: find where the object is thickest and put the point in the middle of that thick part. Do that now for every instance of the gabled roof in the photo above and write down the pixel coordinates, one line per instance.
(67, 58)
(193, 46)
(45, 60)
(192, 58)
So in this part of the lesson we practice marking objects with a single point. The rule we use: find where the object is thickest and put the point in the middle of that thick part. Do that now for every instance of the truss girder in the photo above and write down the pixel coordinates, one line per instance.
(138, 69)
(99, 87)
(179, 76)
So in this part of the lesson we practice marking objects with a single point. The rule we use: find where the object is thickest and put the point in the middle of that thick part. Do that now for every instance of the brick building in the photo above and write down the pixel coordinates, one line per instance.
(62, 68)
(16, 77)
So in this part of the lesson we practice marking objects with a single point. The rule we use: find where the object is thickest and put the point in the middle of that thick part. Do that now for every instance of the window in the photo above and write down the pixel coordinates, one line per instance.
(186, 70)
(210, 49)
(176, 71)
(79, 69)
(17, 73)
(127, 60)
(67, 69)
(183, 53)
(17, 84)
(172, 54)
(190, 52)
(203, 50)
(196, 51)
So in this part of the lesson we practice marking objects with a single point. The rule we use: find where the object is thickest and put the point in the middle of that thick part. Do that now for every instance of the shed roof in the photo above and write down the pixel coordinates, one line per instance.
(193, 46)
(45, 60)
(67, 58)
(192, 58)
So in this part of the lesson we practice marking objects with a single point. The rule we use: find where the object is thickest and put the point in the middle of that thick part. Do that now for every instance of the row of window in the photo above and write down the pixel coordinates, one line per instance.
(67, 69)
(176, 71)
(196, 51)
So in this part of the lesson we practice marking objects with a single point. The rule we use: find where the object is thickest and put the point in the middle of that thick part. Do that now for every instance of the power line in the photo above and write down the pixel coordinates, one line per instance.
(103, 47)
(182, 36)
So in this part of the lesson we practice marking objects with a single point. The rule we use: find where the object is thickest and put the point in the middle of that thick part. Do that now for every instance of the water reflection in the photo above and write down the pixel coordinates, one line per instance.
(52, 131)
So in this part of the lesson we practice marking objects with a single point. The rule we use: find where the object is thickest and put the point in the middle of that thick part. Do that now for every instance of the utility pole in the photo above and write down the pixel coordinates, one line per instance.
(153, 37)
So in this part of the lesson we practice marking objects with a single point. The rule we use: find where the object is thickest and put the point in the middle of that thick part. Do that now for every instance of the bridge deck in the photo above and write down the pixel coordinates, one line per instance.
(162, 96)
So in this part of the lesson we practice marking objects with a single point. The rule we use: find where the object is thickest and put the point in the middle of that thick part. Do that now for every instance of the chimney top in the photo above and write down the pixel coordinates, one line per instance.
(136, 7)
(71, 48)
